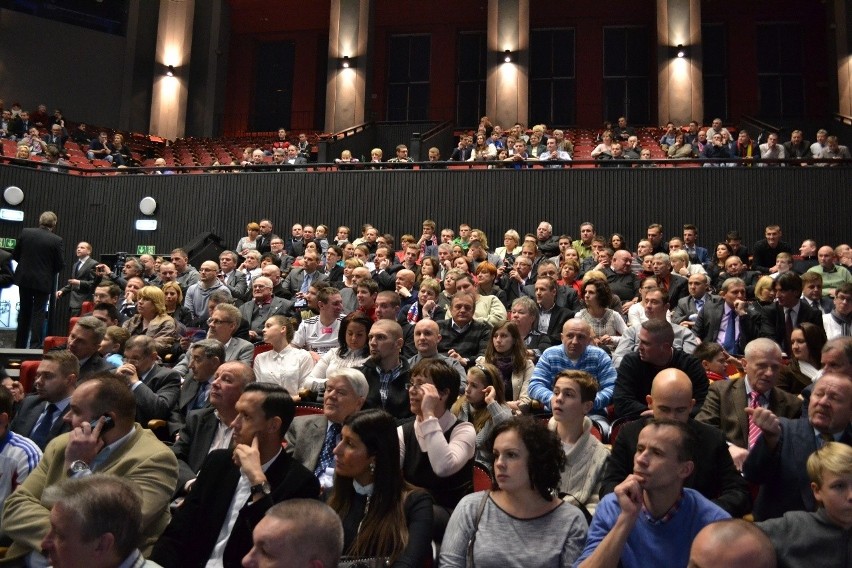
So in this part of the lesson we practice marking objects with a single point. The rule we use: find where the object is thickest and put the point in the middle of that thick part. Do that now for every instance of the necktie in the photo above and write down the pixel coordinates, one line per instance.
(326, 459)
(698, 305)
(815, 305)
(41, 434)
(824, 438)
(77, 268)
(201, 397)
(788, 322)
(753, 429)
(730, 342)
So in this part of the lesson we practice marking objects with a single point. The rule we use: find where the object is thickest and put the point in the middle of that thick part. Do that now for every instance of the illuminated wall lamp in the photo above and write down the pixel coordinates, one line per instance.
(681, 51)
(170, 71)
(345, 63)
(507, 56)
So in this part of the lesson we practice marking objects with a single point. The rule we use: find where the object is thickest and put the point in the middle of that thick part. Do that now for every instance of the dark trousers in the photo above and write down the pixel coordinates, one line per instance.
(31, 317)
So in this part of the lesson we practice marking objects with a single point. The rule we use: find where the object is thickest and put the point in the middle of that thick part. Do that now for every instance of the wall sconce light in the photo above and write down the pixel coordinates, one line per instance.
(170, 71)
(507, 56)
(345, 63)
(681, 51)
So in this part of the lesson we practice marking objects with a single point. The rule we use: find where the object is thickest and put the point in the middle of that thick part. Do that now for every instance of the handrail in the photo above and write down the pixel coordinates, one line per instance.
(461, 166)
(843, 118)
(763, 125)
(435, 129)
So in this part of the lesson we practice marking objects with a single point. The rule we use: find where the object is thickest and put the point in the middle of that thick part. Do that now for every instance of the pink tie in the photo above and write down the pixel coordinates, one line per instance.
(753, 429)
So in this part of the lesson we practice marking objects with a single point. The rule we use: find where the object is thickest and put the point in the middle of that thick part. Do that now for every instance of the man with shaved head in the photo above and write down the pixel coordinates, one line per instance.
(733, 543)
(427, 336)
(198, 293)
(386, 372)
(715, 476)
(576, 353)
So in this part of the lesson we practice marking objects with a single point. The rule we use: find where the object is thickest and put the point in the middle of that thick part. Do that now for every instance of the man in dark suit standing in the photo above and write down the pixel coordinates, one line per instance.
(726, 403)
(235, 488)
(155, 388)
(39, 256)
(779, 457)
(81, 283)
(264, 238)
(40, 415)
(208, 428)
(312, 439)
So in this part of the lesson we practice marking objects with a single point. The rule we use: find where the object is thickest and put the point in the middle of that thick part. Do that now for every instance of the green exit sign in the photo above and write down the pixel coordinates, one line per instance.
(7, 243)
(141, 249)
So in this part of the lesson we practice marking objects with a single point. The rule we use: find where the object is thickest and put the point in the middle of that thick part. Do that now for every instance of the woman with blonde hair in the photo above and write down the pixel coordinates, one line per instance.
(249, 242)
(174, 303)
(483, 404)
(511, 245)
(152, 320)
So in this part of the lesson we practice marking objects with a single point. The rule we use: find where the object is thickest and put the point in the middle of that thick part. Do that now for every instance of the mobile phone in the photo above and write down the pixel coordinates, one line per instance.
(109, 423)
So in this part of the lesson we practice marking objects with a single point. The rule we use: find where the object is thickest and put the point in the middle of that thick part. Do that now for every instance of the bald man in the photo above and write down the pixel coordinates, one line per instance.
(198, 293)
(733, 543)
(386, 372)
(715, 476)
(427, 336)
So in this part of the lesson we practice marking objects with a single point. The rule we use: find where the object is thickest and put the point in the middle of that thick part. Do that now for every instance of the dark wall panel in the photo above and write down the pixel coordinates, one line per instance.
(102, 210)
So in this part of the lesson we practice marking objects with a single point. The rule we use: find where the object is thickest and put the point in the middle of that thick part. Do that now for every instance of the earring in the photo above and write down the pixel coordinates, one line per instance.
(372, 468)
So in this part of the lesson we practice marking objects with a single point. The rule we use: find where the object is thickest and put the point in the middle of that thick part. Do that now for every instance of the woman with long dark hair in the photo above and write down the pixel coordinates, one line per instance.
(383, 515)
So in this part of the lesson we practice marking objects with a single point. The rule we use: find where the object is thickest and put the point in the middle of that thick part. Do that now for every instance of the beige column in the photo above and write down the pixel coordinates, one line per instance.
(842, 21)
(680, 83)
(346, 91)
(174, 44)
(507, 86)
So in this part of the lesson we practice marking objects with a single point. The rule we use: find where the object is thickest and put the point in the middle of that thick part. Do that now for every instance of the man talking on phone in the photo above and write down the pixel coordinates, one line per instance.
(104, 438)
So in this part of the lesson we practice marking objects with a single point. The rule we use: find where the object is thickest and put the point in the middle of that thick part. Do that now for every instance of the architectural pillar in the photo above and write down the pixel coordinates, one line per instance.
(843, 42)
(174, 45)
(349, 64)
(507, 86)
(680, 83)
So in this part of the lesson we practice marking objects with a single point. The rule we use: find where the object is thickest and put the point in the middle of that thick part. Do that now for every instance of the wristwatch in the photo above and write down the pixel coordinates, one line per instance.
(78, 466)
(261, 488)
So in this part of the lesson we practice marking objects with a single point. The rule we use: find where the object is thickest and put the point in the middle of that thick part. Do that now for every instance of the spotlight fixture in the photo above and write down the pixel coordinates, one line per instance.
(681, 52)
(345, 63)
(170, 71)
(507, 56)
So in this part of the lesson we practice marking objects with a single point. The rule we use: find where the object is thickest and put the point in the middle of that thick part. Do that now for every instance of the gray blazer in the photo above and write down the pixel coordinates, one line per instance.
(305, 438)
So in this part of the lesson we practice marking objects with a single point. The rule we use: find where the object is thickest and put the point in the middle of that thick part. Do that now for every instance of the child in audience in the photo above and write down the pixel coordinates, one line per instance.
(112, 345)
(573, 397)
(803, 539)
(714, 360)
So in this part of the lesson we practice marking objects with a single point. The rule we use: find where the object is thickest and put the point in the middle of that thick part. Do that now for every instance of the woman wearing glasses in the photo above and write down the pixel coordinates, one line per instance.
(436, 448)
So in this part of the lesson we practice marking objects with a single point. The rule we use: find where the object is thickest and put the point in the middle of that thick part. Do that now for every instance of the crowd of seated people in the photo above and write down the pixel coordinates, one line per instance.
(619, 145)
(748, 357)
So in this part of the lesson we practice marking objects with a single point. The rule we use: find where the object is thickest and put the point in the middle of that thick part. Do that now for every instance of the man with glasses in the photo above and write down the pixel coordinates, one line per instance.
(263, 306)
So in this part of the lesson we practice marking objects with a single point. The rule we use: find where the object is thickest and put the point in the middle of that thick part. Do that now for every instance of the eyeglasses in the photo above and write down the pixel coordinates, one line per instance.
(212, 321)
(416, 387)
